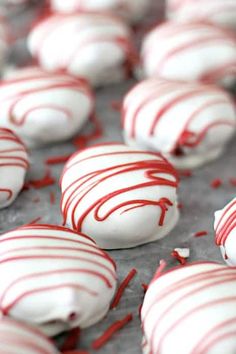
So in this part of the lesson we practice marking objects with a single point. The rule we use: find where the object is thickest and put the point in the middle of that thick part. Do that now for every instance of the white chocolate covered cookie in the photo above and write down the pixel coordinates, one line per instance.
(54, 278)
(189, 123)
(123, 197)
(95, 46)
(190, 52)
(13, 166)
(191, 309)
(221, 12)
(35, 103)
(173, 6)
(225, 232)
(18, 338)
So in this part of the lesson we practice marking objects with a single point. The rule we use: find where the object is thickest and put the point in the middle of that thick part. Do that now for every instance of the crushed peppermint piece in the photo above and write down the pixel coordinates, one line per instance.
(181, 254)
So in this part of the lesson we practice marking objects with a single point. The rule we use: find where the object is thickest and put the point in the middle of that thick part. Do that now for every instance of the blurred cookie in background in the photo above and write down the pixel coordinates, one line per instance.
(130, 10)
(197, 51)
(221, 12)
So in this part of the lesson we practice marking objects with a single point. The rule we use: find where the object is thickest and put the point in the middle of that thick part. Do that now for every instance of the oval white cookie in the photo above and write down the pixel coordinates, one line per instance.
(35, 103)
(54, 278)
(122, 196)
(14, 164)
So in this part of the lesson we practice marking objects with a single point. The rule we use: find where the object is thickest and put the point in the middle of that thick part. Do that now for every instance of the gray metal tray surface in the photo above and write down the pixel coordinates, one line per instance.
(199, 203)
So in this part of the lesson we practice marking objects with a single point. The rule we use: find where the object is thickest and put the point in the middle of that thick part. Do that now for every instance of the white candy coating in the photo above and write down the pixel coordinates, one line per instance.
(94, 46)
(13, 166)
(122, 196)
(132, 10)
(225, 232)
(173, 6)
(191, 310)
(54, 278)
(221, 12)
(18, 338)
(190, 52)
(35, 104)
(189, 123)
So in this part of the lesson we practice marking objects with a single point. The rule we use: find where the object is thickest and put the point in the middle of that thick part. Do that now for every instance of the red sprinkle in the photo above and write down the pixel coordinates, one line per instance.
(35, 221)
(46, 181)
(179, 258)
(232, 181)
(52, 198)
(122, 288)
(216, 183)
(145, 287)
(180, 205)
(106, 336)
(76, 352)
(55, 160)
(186, 173)
(116, 106)
(36, 200)
(71, 340)
(201, 233)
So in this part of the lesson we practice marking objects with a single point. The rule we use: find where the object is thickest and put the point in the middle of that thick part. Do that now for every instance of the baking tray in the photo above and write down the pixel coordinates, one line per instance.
(199, 202)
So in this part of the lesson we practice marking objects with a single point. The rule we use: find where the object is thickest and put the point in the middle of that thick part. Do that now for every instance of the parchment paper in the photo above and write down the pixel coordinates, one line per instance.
(199, 203)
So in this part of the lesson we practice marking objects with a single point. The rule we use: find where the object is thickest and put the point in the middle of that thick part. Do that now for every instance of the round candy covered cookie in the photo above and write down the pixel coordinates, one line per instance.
(18, 338)
(13, 166)
(54, 278)
(191, 310)
(225, 232)
(123, 197)
(132, 10)
(190, 52)
(190, 123)
(221, 12)
(35, 103)
(94, 46)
